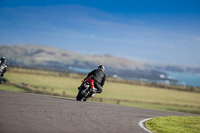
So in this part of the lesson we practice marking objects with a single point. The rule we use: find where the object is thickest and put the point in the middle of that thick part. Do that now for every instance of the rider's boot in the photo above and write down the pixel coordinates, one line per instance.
(93, 94)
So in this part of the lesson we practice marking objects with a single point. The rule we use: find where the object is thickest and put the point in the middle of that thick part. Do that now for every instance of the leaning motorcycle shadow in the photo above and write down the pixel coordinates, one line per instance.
(3, 80)
(62, 98)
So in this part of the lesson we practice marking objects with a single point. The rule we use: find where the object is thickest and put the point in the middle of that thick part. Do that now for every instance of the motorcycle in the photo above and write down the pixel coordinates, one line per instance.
(86, 90)
(2, 71)
(3, 68)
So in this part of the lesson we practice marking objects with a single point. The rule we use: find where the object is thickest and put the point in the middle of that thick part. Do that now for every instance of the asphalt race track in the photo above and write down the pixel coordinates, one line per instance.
(31, 113)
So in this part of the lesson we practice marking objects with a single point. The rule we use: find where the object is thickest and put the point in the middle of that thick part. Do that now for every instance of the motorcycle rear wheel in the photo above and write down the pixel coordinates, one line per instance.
(80, 95)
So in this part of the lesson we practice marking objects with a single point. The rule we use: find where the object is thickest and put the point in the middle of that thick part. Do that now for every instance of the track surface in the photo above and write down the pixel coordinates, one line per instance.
(30, 113)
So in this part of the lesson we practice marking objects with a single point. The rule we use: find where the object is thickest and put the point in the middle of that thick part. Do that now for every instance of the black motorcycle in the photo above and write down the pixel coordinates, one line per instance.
(3, 68)
(86, 90)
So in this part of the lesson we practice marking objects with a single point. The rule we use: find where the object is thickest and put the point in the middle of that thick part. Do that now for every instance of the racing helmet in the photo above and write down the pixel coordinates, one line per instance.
(101, 67)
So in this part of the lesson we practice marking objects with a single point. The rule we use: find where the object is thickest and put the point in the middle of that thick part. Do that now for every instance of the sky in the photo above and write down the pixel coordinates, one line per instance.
(153, 31)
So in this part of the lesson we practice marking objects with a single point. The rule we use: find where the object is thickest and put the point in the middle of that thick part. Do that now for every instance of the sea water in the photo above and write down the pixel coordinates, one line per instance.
(185, 78)
(182, 77)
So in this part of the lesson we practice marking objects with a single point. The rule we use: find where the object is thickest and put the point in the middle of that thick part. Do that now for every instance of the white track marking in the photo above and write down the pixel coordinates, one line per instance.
(141, 124)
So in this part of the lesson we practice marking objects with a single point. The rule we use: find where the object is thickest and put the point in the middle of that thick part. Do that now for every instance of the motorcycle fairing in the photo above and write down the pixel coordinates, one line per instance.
(91, 81)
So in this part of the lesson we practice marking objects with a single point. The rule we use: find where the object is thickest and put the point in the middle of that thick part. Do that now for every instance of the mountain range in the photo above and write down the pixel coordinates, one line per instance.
(43, 57)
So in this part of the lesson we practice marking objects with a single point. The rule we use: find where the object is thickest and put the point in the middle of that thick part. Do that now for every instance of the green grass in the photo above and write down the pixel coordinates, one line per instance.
(141, 96)
(58, 84)
(11, 88)
(163, 107)
(150, 94)
(174, 124)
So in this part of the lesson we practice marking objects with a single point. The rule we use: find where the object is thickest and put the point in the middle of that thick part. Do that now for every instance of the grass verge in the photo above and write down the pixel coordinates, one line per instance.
(11, 88)
(174, 124)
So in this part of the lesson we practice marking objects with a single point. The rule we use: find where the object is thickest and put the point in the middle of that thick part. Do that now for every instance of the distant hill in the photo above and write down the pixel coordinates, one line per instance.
(38, 56)
(42, 57)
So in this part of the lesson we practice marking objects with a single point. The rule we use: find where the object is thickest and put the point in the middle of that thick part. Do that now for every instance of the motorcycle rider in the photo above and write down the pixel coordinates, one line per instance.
(99, 78)
(3, 68)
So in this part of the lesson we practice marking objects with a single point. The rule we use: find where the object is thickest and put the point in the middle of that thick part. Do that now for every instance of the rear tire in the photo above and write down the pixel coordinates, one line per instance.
(80, 95)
